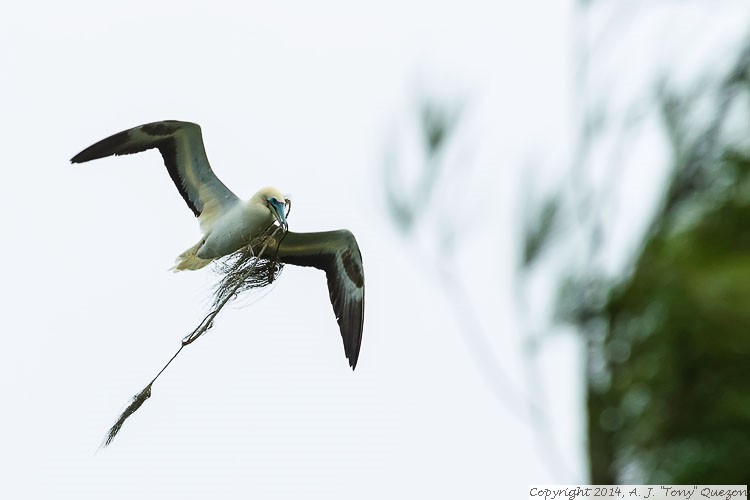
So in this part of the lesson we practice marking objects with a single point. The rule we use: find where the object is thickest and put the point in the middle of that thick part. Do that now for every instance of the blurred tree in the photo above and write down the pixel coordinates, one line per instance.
(668, 397)
(667, 336)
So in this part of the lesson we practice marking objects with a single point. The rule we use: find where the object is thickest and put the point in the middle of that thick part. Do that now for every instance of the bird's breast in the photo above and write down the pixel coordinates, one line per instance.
(234, 230)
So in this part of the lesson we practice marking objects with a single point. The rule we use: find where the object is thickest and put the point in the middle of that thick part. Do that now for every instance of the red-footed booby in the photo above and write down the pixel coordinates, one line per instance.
(229, 223)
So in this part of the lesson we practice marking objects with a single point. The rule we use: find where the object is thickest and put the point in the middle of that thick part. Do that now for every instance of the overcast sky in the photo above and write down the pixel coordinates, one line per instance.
(303, 96)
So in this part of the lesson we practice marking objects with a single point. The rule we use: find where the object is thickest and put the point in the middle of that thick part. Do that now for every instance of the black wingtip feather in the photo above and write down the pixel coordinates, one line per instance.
(162, 139)
(354, 331)
(113, 145)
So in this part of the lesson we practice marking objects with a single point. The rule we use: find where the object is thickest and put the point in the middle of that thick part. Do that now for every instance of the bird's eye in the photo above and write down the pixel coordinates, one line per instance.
(272, 199)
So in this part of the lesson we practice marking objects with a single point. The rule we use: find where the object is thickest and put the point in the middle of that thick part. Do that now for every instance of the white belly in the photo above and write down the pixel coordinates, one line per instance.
(234, 230)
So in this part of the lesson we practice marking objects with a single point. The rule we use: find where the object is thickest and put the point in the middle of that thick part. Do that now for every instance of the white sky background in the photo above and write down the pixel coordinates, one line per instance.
(302, 97)
(297, 96)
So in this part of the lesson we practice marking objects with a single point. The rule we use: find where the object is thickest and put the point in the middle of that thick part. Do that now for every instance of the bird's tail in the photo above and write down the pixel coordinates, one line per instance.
(187, 260)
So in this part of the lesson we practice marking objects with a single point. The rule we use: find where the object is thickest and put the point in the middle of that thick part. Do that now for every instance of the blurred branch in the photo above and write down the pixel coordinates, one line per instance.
(437, 124)
(538, 231)
(406, 205)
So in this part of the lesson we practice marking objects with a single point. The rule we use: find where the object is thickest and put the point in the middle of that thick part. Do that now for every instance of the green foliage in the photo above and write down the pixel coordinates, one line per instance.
(668, 347)
(668, 344)
(671, 395)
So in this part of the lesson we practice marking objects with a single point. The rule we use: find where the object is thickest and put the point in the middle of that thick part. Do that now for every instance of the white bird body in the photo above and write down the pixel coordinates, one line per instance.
(229, 223)
(230, 231)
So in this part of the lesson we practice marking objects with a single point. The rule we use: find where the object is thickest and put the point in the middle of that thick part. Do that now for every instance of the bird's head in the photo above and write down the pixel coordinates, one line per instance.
(276, 203)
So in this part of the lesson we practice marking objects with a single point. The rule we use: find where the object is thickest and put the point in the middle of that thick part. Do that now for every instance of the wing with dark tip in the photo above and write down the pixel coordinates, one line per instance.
(181, 146)
(336, 253)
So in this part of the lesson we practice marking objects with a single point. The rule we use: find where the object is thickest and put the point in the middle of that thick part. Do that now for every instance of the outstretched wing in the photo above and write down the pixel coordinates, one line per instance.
(336, 253)
(181, 146)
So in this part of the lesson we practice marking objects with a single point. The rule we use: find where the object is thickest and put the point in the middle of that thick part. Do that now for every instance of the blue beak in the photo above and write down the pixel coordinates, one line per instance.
(277, 208)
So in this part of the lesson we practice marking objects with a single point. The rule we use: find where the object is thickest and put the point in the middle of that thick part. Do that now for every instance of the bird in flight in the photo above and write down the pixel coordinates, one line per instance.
(229, 223)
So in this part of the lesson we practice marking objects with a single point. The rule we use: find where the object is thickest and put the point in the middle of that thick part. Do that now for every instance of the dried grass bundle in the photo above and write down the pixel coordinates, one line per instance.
(249, 268)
